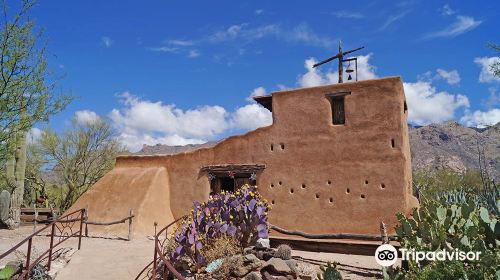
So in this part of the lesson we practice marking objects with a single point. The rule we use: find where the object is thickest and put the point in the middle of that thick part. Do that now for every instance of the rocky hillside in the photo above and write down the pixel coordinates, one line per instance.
(160, 149)
(448, 145)
(451, 145)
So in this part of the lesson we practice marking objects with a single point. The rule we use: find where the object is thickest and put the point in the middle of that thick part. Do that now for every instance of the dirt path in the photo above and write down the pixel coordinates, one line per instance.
(101, 258)
(98, 258)
(108, 259)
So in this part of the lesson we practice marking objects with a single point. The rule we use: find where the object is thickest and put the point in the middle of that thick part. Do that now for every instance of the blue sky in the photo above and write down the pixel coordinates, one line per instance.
(181, 72)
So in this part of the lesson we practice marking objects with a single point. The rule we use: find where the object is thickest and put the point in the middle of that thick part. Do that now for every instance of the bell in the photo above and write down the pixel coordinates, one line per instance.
(349, 77)
(349, 69)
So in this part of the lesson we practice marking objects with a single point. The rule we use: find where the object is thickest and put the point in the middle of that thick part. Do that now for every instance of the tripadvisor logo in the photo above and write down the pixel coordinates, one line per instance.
(387, 255)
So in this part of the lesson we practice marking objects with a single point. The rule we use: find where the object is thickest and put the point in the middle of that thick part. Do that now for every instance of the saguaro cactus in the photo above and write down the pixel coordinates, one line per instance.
(4, 205)
(15, 171)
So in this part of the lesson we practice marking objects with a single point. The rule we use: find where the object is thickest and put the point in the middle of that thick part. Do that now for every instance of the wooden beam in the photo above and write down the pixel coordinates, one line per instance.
(238, 168)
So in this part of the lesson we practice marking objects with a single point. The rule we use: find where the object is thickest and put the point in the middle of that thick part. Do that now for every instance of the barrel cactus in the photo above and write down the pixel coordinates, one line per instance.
(253, 276)
(329, 272)
(284, 252)
(4, 205)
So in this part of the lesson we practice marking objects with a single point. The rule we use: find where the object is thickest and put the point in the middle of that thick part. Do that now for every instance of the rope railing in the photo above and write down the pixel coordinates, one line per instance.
(355, 236)
(121, 221)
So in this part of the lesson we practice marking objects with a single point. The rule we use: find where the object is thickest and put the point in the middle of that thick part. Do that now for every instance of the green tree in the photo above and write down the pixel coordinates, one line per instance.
(27, 96)
(80, 156)
(495, 67)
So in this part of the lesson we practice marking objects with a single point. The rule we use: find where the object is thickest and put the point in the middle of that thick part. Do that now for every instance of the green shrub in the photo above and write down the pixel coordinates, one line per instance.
(441, 224)
(430, 184)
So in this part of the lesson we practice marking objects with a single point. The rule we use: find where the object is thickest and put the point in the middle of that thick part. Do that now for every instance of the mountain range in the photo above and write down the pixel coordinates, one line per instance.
(448, 145)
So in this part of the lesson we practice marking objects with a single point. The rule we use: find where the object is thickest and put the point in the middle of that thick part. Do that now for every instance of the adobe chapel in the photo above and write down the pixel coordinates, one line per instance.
(336, 159)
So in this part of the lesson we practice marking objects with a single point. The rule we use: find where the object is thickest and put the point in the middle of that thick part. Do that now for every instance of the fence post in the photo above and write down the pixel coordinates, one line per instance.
(154, 258)
(130, 214)
(86, 219)
(82, 217)
(52, 232)
(36, 217)
(383, 233)
(28, 256)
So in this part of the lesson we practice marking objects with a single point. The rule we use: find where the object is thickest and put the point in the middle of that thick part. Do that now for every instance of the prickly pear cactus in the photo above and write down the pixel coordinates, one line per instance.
(490, 198)
(466, 225)
(284, 252)
(329, 272)
(4, 205)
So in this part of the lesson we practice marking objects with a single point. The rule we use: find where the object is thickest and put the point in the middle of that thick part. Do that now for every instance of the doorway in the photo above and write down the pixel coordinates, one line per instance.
(230, 184)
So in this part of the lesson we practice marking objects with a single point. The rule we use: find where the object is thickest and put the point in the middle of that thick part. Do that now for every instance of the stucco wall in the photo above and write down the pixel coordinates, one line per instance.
(320, 177)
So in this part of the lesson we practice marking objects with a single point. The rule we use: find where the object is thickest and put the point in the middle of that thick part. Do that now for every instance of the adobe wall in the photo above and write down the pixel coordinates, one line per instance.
(319, 177)
(142, 189)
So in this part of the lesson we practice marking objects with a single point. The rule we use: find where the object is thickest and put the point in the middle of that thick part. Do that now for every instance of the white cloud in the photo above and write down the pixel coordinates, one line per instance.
(228, 34)
(146, 116)
(259, 91)
(452, 77)
(494, 98)
(461, 25)
(427, 105)
(164, 49)
(86, 116)
(106, 41)
(34, 135)
(446, 10)
(486, 75)
(182, 43)
(177, 47)
(392, 19)
(302, 33)
(366, 71)
(251, 117)
(193, 53)
(240, 35)
(316, 77)
(145, 122)
(259, 11)
(481, 119)
(348, 14)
